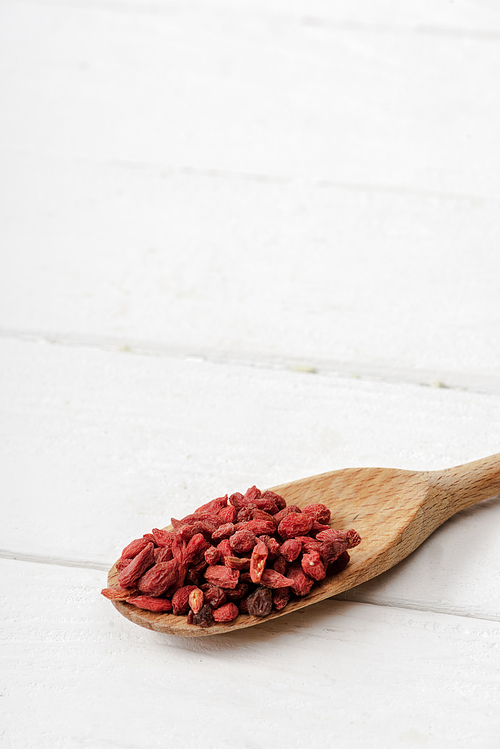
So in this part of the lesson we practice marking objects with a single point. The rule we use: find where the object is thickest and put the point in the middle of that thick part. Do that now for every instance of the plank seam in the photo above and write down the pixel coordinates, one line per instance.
(477, 383)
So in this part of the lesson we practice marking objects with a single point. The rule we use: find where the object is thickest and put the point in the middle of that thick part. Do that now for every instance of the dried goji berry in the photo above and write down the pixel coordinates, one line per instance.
(301, 583)
(289, 509)
(281, 596)
(260, 602)
(180, 599)
(258, 527)
(237, 563)
(222, 576)
(196, 600)
(163, 554)
(213, 555)
(273, 579)
(226, 613)
(224, 548)
(339, 564)
(223, 531)
(295, 524)
(319, 512)
(227, 514)
(279, 501)
(280, 565)
(214, 595)
(238, 592)
(118, 594)
(163, 538)
(204, 617)
(258, 561)
(196, 548)
(159, 578)
(213, 506)
(313, 566)
(252, 493)
(134, 547)
(242, 541)
(329, 551)
(137, 566)
(291, 549)
(162, 605)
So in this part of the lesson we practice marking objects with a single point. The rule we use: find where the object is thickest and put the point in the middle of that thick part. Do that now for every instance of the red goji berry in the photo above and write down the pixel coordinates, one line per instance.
(226, 613)
(295, 524)
(180, 599)
(242, 541)
(319, 512)
(161, 605)
(137, 566)
(159, 578)
(258, 561)
(222, 576)
(313, 566)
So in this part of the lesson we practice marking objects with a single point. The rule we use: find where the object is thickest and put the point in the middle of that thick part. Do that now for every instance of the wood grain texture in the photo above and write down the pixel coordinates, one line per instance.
(386, 677)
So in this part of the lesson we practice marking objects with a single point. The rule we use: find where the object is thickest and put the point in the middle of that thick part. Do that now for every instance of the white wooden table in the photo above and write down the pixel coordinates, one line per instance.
(245, 243)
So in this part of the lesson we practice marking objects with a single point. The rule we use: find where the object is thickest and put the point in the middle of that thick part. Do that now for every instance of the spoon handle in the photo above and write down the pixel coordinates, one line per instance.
(467, 484)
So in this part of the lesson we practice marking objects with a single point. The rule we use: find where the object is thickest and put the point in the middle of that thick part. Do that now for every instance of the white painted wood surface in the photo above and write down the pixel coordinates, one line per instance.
(238, 242)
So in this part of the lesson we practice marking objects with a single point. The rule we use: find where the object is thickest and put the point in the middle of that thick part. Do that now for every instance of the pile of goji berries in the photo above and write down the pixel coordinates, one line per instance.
(249, 553)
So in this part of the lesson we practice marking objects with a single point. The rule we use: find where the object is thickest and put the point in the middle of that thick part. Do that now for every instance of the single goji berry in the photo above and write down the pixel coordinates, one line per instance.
(339, 564)
(227, 514)
(137, 566)
(329, 551)
(118, 594)
(281, 596)
(242, 541)
(319, 512)
(134, 547)
(213, 506)
(295, 524)
(180, 599)
(196, 600)
(162, 537)
(214, 595)
(280, 565)
(213, 555)
(162, 605)
(159, 578)
(291, 549)
(237, 563)
(313, 566)
(273, 579)
(258, 561)
(301, 583)
(226, 613)
(224, 548)
(279, 501)
(289, 509)
(196, 548)
(260, 602)
(222, 576)
(223, 531)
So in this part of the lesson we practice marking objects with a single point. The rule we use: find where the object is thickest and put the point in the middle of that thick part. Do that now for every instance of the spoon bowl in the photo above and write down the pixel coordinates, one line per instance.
(393, 511)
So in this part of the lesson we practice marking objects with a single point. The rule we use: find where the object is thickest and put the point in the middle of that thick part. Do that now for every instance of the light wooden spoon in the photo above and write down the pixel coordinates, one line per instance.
(394, 511)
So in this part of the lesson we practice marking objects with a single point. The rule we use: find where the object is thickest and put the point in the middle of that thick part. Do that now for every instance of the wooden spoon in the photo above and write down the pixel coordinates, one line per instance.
(394, 511)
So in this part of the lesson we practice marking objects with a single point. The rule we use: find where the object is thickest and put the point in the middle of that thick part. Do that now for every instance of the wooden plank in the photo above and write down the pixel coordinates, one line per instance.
(338, 672)
(210, 87)
(100, 447)
(368, 284)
